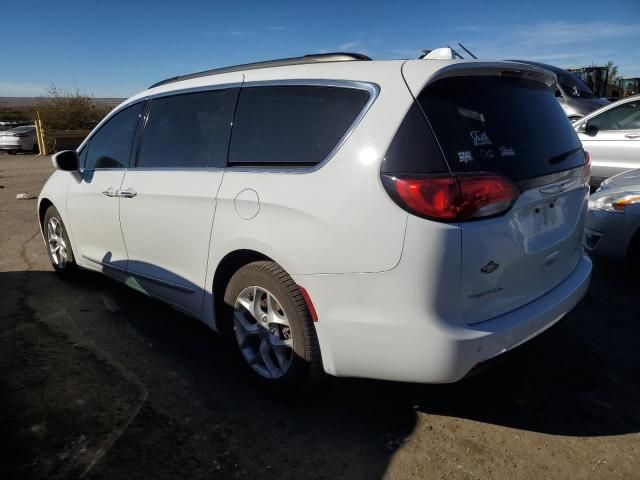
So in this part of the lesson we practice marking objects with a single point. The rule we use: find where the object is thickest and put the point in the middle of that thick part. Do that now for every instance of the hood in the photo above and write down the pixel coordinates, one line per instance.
(630, 178)
(588, 105)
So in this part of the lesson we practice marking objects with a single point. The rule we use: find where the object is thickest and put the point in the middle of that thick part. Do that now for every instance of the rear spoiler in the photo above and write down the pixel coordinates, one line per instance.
(418, 73)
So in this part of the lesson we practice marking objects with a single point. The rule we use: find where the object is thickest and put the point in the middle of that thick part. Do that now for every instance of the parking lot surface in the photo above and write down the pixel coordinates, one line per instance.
(99, 381)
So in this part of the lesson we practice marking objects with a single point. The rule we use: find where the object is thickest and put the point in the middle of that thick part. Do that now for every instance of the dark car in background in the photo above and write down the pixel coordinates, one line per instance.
(576, 99)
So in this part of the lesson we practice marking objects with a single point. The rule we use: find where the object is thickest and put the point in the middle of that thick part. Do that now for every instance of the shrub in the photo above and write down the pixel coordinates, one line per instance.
(69, 110)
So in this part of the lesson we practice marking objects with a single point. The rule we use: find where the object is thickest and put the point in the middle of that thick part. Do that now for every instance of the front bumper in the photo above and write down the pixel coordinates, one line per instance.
(608, 234)
(383, 339)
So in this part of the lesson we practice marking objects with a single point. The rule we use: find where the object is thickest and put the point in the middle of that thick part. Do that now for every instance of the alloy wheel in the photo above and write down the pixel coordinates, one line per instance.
(57, 242)
(263, 332)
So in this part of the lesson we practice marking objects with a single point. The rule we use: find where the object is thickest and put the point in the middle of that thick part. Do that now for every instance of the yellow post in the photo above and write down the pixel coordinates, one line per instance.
(40, 135)
(37, 122)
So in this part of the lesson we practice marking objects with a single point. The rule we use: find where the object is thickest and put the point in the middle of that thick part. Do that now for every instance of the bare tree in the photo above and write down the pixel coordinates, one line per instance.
(613, 78)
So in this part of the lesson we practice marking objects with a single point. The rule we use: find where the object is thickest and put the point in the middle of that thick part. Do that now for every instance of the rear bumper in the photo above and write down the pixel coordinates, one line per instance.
(381, 336)
(15, 146)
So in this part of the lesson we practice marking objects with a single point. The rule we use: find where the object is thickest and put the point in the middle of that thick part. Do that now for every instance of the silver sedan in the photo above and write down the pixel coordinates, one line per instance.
(611, 135)
(19, 139)
(613, 221)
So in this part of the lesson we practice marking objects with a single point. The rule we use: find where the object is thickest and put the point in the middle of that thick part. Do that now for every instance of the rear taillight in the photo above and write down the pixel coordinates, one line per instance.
(586, 170)
(453, 198)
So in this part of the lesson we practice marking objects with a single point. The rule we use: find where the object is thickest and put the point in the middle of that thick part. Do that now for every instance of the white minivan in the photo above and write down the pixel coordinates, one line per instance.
(398, 220)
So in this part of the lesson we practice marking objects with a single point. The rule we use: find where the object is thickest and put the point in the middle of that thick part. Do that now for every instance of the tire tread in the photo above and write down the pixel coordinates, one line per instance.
(315, 372)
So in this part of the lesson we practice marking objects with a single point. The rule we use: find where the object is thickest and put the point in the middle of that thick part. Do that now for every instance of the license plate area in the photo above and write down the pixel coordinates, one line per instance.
(546, 222)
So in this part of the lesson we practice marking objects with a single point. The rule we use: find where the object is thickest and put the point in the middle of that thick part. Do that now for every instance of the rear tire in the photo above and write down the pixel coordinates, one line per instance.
(268, 324)
(58, 244)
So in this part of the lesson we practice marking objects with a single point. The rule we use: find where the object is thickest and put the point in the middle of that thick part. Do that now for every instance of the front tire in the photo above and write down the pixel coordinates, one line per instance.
(270, 327)
(58, 244)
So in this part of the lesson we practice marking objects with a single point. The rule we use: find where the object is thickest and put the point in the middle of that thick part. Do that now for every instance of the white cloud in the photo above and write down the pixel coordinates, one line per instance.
(564, 33)
(349, 45)
(241, 33)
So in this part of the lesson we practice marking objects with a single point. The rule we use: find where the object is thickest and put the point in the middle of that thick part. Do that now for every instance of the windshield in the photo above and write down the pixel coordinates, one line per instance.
(573, 86)
(505, 125)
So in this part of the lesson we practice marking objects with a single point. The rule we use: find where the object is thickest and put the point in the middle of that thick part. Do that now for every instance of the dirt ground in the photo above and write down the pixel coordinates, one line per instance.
(98, 381)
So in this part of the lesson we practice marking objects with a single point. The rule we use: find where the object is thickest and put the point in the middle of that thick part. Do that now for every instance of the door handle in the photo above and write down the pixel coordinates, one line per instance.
(633, 135)
(110, 192)
(128, 193)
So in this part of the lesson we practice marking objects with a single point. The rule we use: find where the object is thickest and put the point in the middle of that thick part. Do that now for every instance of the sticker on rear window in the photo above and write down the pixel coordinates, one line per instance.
(465, 156)
(507, 151)
(480, 138)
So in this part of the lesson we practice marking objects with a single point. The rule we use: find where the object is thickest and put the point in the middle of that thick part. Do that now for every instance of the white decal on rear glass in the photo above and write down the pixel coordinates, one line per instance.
(480, 138)
(507, 151)
(465, 156)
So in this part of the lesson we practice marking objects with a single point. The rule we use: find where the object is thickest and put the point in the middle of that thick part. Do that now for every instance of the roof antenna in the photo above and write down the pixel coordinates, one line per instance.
(455, 54)
(465, 49)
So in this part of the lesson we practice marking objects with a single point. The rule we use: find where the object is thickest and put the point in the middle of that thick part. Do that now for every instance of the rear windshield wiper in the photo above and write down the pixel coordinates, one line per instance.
(563, 156)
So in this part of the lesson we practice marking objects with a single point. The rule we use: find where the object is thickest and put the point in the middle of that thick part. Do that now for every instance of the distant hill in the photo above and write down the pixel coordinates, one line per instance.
(18, 102)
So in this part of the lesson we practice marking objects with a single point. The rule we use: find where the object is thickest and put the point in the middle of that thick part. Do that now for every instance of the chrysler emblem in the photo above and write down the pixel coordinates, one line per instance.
(490, 267)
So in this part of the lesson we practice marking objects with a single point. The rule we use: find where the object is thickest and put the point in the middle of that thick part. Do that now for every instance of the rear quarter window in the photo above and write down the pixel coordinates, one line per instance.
(292, 125)
(507, 125)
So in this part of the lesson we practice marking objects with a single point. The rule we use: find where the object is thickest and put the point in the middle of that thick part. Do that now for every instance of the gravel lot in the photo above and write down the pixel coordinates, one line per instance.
(99, 381)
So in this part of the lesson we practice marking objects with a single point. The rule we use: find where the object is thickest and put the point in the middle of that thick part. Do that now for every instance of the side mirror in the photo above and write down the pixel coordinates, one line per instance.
(558, 94)
(67, 161)
(588, 129)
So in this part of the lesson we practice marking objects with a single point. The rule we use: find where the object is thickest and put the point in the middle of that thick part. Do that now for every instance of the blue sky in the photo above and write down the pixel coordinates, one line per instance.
(116, 48)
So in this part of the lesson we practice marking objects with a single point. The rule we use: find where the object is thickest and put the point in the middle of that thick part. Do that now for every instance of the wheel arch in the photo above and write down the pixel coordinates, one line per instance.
(45, 203)
(228, 265)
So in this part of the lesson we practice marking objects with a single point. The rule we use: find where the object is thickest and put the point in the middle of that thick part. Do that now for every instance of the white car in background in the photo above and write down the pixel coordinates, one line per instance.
(399, 220)
(613, 222)
(19, 139)
(611, 135)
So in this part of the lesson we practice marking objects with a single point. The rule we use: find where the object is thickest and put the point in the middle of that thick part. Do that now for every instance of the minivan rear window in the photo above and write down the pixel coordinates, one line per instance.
(292, 125)
(507, 125)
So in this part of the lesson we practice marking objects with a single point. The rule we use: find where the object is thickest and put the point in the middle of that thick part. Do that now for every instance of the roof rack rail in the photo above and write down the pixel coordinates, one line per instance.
(319, 57)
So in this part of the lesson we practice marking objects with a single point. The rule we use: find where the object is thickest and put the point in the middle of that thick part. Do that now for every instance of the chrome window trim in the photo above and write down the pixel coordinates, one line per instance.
(151, 169)
(187, 90)
(372, 88)
(176, 169)
(119, 169)
(535, 182)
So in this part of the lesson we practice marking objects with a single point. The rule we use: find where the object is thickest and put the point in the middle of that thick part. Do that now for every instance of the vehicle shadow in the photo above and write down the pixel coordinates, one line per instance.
(580, 378)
